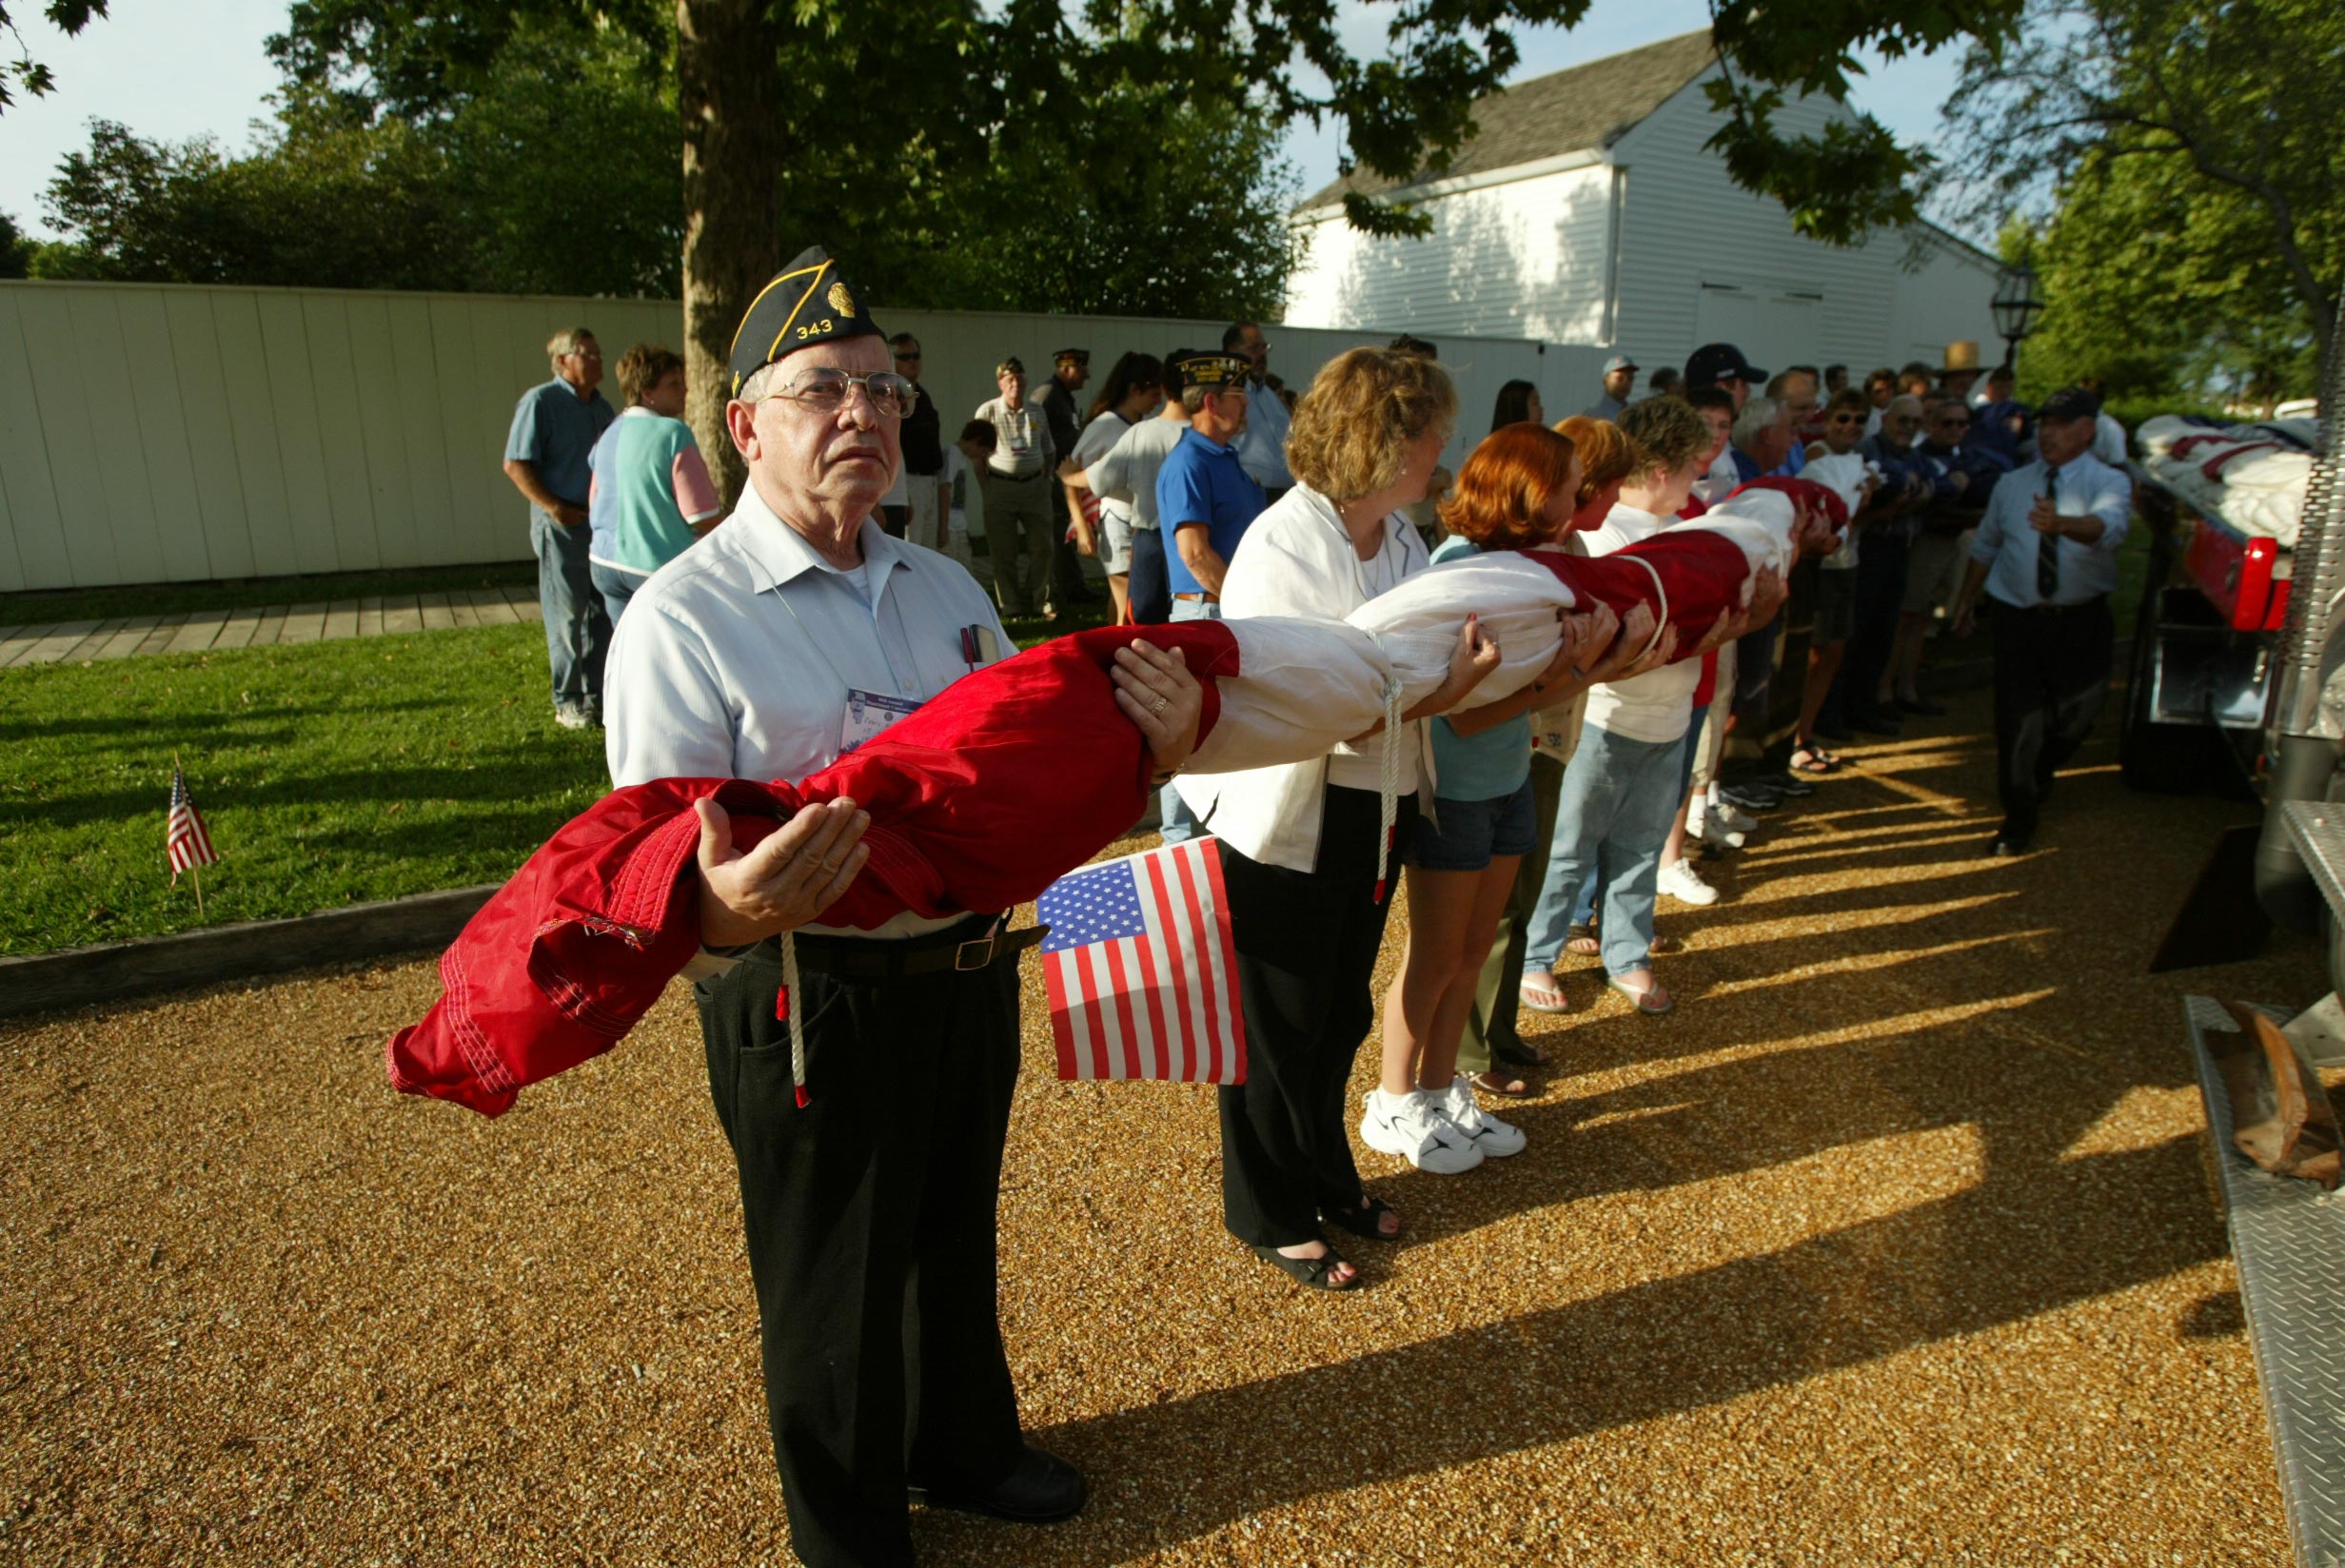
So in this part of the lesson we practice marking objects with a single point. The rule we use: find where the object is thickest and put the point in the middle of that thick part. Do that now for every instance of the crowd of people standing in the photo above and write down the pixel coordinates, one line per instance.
(1545, 824)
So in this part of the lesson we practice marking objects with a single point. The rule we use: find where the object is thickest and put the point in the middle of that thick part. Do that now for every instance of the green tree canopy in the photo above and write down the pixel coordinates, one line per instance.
(2188, 150)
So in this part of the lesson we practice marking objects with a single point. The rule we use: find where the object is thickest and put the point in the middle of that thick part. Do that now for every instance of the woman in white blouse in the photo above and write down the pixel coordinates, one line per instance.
(1307, 860)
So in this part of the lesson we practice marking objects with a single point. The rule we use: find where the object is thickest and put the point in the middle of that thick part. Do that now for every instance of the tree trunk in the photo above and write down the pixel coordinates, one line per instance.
(725, 54)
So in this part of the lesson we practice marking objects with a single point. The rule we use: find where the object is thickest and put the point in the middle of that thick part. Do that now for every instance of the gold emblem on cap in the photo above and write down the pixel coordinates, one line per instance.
(840, 300)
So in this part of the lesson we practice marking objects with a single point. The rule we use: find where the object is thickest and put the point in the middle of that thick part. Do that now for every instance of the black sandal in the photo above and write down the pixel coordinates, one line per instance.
(1518, 1053)
(1361, 1221)
(1313, 1272)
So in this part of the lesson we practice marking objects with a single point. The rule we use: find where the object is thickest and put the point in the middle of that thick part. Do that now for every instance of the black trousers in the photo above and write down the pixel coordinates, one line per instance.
(1307, 945)
(2051, 678)
(1150, 586)
(870, 1220)
(1881, 594)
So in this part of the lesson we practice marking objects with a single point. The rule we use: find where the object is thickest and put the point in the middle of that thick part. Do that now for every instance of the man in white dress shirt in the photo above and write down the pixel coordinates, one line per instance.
(797, 632)
(2045, 554)
(1262, 446)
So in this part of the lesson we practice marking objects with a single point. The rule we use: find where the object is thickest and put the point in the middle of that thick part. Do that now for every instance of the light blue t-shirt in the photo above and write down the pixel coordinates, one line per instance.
(552, 432)
(1489, 766)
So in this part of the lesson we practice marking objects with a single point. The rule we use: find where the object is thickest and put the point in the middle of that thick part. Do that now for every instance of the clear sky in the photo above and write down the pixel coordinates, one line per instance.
(176, 68)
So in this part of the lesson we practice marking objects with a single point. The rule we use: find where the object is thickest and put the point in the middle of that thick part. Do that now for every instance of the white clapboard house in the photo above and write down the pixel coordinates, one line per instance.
(1586, 213)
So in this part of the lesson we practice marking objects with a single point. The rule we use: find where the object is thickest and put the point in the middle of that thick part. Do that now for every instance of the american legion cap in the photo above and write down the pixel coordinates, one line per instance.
(1216, 371)
(807, 303)
(2069, 402)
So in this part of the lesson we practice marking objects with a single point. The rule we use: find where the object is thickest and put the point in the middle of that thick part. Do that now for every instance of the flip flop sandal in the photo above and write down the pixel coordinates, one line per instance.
(1582, 940)
(1313, 1272)
(1808, 761)
(1519, 1053)
(1490, 1083)
(1362, 1221)
(1531, 996)
(1643, 998)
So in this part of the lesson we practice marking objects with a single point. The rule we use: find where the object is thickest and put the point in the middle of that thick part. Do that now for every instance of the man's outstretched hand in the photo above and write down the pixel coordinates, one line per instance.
(783, 881)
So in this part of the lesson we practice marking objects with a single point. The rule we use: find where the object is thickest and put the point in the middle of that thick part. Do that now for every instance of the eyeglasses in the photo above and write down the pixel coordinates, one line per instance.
(1847, 419)
(825, 390)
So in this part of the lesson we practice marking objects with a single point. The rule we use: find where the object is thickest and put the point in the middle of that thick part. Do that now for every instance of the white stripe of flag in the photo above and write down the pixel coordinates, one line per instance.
(1140, 970)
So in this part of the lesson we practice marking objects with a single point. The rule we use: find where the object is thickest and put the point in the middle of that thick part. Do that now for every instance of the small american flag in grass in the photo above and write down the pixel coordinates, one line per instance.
(1141, 973)
(185, 841)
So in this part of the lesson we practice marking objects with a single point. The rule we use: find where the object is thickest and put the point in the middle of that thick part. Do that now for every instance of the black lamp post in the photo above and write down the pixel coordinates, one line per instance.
(2016, 309)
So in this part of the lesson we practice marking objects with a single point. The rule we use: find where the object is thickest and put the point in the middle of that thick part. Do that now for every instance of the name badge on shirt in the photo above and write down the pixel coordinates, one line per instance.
(867, 712)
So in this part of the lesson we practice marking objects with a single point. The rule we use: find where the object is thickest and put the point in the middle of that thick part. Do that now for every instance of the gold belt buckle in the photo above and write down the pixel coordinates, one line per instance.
(961, 959)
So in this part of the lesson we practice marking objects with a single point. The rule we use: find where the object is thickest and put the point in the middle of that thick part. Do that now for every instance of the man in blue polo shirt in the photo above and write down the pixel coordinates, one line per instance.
(1205, 500)
(555, 427)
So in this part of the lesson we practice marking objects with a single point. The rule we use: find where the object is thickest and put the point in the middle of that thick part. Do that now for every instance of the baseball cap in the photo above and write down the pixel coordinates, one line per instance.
(1619, 362)
(1719, 362)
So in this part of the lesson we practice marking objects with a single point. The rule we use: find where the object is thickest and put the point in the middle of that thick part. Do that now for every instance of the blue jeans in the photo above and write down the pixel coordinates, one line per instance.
(578, 631)
(1178, 822)
(1584, 908)
(616, 587)
(1619, 797)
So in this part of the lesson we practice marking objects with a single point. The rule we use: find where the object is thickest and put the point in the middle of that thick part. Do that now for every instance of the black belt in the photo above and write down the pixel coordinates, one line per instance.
(939, 952)
(2096, 602)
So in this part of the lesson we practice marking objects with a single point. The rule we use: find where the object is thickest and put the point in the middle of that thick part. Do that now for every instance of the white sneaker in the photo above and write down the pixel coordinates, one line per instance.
(1682, 882)
(1490, 1135)
(1715, 831)
(1413, 1127)
(1728, 814)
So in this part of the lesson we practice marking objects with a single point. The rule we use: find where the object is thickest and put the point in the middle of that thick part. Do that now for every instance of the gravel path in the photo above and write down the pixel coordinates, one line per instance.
(1893, 1243)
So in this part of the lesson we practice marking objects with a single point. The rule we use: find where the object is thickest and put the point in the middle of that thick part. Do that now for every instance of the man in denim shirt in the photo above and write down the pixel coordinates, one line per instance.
(555, 427)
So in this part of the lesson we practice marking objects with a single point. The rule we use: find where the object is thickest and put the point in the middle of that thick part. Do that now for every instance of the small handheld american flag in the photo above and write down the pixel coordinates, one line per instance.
(185, 841)
(1141, 972)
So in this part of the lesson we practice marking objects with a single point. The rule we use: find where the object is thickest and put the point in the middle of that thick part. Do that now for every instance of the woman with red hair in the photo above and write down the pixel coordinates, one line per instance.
(1517, 491)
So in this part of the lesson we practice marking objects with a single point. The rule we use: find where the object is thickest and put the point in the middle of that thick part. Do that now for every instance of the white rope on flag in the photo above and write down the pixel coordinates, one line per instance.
(1389, 786)
(796, 1005)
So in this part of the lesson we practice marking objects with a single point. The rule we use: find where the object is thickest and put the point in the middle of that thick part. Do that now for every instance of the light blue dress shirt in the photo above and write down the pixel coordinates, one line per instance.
(735, 659)
(2008, 545)
(1262, 446)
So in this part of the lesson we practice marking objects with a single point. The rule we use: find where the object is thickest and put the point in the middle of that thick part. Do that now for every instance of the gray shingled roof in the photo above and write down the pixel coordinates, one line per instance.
(1590, 106)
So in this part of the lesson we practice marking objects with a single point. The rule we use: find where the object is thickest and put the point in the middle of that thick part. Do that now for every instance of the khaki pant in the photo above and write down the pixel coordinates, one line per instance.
(1018, 528)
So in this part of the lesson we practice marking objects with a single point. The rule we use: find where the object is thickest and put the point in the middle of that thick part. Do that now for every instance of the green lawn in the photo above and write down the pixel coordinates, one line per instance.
(171, 599)
(328, 774)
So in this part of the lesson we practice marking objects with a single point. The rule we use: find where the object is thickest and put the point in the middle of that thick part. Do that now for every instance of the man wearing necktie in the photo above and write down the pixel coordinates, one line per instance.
(2045, 554)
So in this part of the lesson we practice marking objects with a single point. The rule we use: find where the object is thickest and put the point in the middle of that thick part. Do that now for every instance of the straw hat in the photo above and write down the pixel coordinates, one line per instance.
(1962, 354)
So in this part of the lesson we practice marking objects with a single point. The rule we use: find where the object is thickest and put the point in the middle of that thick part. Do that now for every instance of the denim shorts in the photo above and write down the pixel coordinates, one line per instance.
(1471, 831)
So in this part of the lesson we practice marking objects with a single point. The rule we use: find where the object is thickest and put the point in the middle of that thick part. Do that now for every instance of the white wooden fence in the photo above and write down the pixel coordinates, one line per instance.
(159, 433)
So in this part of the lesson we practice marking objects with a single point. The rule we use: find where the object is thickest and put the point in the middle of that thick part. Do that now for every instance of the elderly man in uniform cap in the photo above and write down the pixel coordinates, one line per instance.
(1016, 485)
(2045, 554)
(1070, 374)
(869, 1186)
(1619, 378)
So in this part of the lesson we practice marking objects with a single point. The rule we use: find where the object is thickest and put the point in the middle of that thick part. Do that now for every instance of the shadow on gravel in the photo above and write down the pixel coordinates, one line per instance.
(2002, 1251)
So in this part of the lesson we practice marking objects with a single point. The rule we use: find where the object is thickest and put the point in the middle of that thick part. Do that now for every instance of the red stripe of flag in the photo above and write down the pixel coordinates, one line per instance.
(1214, 1054)
(1222, 947)
(1170, 924)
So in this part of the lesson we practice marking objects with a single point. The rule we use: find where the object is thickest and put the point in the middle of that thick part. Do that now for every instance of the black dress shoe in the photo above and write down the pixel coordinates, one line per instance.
(1043, 1489)
(2009, 842)
(1923, 706)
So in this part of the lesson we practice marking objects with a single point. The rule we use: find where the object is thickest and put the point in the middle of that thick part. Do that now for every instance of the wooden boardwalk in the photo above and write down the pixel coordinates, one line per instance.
(78, 641)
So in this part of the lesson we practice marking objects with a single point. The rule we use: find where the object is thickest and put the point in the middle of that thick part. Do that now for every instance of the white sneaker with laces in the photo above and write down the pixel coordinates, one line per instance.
(1490, 1135)
(1413, 1127)
(1728, 814)
(1715, 831)
(1682, 882)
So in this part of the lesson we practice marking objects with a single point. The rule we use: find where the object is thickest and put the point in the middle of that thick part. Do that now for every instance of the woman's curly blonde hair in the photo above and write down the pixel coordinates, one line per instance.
(1363, 409)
